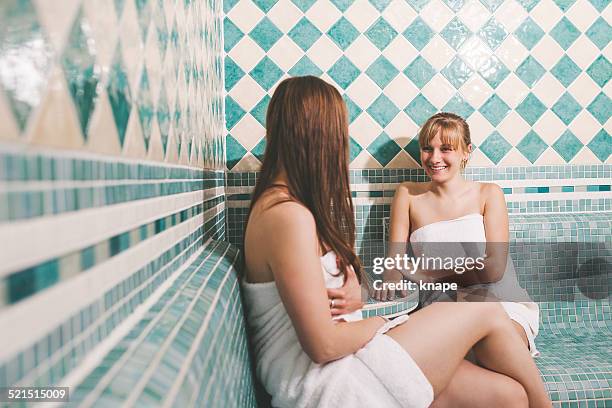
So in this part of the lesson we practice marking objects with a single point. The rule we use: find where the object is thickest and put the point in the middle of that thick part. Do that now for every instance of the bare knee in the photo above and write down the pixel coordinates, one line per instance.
(511, 394)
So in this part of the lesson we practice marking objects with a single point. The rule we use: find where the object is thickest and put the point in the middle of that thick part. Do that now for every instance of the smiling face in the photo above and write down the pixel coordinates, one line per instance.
(441, 159)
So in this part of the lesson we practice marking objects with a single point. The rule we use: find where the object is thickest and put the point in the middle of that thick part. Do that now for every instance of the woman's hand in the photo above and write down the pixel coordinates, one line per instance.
(346, 299)
(383, 295)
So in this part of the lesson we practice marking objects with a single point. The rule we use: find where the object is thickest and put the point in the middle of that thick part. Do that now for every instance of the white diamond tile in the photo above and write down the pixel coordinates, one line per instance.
(480, 128)
(514, 158)
(438, 53)
(247, 93)
(548, 89)
(8, 126)
(400, 52)
(57, 21)
(364, 129)
(246, 53)
(402, 161)
(131, 46)
(362, 52)
(285, 53)
(546, 14)
(248, 163)
(512, 90)
(133, 144)
(549, 127)
(511, 52)
(153, 64)
(401, 91)
(475, 52)
(583, 52)
(582, 14)
(248, 131)
(246, 15)
(511, 15)
(284, 15)
(585, 156)
(402, 129)
(438, 91)
(478, 158)
(324, 53)
(361, 14)
(364, 160)
(476, 91)
(399, 15)
(323, 14)
(547, 52)
(550, 157)
(437, 15)
(363, 91)
(585, 126)
(474, 15)
(100, 16)
(513, 128)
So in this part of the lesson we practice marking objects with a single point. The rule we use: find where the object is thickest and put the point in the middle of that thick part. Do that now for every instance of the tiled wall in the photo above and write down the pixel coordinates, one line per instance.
(111, 169)
(530, 76)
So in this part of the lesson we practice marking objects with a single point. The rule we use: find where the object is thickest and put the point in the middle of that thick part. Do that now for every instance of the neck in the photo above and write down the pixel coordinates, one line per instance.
(281, 178)
(449, 187)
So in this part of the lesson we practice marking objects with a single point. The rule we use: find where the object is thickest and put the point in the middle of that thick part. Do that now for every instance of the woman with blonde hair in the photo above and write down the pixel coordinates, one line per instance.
(299, 242)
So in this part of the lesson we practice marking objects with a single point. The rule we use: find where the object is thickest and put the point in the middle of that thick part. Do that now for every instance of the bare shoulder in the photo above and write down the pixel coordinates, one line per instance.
(287, 217)
(490, 191)
(411, 188)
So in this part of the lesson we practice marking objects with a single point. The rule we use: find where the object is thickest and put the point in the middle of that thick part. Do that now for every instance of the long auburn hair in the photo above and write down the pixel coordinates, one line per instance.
(307, 137)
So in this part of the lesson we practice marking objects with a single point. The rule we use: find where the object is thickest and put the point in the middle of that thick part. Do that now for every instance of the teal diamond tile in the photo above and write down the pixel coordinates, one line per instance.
(600, 33)
(600, 5)
(565, 33)
(303, 5)
(264, 5)
(383, 149)
(495, 147)
(455, 33)
(233, 73)
(119, 7)
(601, 108)
(567, 145)
(344, 72)
(493, 33)
(457, 72)
(233, 112)
(530, 71)
(260, 149)
(19, 33)
(566, 71)
(492, 5)
(564, 5)
(231, 34)
(259, 111)
(145, 108)
(143, 8)
(420, 109)
(228, 5)
(304, 34)
(305, 67)
(342, 5)
(455, 5)
(566, 108)
(353, 109)
(459, 106)
(266, 73)
(531, 146)
(418, 5)
(382, 72)
(82, 76)
(380, 5)
(382, 110)
(343, 33)
(494, 71)
(354, 149)
(414, 150)
(529, 33)
(381, 33)
(531, 109)
(528, 4)
(163, 116)
(161, 32)
(600, 70)
(494, 109)
(265, 34)
(420, 71)
(601, 145)
(119, 94)
(418, 33)
(234, 151)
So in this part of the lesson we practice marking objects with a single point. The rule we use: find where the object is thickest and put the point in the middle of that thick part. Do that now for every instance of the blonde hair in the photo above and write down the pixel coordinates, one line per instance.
(453, 130)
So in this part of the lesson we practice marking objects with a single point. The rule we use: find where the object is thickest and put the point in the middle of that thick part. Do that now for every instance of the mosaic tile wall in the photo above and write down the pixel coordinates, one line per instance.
(111, 170)
(530, 76)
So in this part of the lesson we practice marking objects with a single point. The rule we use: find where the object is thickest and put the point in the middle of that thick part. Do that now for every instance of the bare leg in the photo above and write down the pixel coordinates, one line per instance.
(439, 336)
(486, 389)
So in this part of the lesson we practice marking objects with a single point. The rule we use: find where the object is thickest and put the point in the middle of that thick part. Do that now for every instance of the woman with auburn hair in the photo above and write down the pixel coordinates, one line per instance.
(299, 243)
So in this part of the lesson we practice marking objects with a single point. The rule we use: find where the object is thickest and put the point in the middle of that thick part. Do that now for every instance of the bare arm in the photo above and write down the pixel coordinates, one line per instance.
(294, 261)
